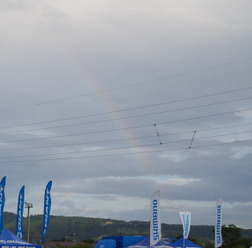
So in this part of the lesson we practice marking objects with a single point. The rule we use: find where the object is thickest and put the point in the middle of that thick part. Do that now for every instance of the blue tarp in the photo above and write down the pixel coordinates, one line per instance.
(124, 241)
(9, 240)
(181, 244)
(146, 243)
(106, 243)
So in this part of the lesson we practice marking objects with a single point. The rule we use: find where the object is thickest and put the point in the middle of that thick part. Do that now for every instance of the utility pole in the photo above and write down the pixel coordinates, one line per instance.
(28, 206)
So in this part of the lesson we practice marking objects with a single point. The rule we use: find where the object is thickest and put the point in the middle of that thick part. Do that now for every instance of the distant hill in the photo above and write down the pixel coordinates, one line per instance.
(83, 228)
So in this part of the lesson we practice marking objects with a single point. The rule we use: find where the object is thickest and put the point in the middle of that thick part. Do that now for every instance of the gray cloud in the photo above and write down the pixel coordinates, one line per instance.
(83, 84)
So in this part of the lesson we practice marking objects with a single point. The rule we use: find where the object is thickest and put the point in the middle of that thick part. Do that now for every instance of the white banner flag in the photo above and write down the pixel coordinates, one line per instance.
(155, 223)
(218, 224)
(186, 222)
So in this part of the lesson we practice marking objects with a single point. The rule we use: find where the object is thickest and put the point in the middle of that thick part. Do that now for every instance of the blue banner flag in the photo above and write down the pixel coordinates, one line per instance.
(47, 209)
(20, 211)
(155, 223)
(218, 224)
(2, 203)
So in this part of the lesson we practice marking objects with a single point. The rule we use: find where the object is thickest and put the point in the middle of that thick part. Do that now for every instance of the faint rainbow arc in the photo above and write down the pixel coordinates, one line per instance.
(142, 158)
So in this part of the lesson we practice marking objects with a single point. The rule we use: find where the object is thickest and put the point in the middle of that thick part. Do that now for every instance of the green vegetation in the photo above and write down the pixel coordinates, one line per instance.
(83, 232)
(232, 238)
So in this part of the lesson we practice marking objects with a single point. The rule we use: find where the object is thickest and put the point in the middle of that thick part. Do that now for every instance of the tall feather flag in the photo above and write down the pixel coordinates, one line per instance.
(20, 211)
(155, 222)
(47, 209)
(218, 224)
(2, 202)
(186, 222)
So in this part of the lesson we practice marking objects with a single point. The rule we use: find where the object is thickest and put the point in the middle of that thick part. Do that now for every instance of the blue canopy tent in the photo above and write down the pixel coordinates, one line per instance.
(124, 241)
(184, 243)
(106, 243)
(145, 243)
(9, 240)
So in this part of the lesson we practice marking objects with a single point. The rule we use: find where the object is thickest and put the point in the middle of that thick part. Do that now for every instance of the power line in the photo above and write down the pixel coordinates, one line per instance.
(226, 134)
(226, 126)
(205, 116)
(79, 144)
(124, 139)
(138, 107)
(126, 153)
(86, 151)
(129, 117)
(128, 147)
(133, 84)
(132, 127)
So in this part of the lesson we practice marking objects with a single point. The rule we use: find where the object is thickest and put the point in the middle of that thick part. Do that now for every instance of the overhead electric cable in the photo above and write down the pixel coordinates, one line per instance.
(124, 139)
(135, 108)
(226, 126)
(80, 143)
(132, 127)
(127, 147)
(133, 84)
(126, 153)
(205, 116)
(86, 151)
(127, 117)
(225, 134)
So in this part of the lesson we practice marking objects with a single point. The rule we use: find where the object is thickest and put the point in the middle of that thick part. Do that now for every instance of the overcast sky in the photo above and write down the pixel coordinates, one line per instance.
(113, 100)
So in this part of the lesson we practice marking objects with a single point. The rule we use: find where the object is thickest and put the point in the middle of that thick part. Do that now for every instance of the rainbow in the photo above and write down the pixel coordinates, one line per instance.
(142, 159)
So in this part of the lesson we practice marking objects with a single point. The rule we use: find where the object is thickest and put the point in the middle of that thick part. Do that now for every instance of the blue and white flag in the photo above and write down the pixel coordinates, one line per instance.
(155, 223)
(218, 224)
(47, 209)
(2, 202)
(20, 211)
(186, 222)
